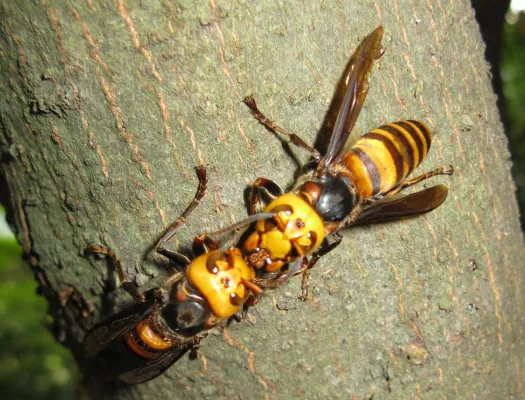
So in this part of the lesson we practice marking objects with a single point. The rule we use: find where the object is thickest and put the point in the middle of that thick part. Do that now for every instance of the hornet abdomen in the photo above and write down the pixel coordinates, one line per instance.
(384, 157)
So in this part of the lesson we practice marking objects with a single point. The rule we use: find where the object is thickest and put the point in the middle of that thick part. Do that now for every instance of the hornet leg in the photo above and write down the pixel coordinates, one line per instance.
(326, 247)
(271, 125)
(266, 186)
(177, 225)
(446, 170)
(128, 286)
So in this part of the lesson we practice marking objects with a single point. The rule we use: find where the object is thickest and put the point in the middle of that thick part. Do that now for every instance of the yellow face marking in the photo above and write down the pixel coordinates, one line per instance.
(297, 225)
(218, 276)
(277, 245)
(252, 243)
(275, 266)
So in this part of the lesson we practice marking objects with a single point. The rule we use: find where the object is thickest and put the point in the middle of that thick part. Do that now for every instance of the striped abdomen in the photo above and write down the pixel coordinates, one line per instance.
(145, 341)
(384, 157)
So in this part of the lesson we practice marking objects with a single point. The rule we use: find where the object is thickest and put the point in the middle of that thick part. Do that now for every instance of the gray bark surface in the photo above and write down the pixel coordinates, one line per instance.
(106, 107)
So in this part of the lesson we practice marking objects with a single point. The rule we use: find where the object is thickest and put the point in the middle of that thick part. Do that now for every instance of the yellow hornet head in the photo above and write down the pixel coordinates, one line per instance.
(221, 277)
(295, 226)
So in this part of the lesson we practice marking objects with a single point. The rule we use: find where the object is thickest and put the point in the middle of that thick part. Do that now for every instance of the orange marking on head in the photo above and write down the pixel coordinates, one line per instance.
(219, 275)
(296, 220)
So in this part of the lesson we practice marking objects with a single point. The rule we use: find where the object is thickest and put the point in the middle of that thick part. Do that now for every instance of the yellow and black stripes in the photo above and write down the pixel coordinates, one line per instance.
(384, 157)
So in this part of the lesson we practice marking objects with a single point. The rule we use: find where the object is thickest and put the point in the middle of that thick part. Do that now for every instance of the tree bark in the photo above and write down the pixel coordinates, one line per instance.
(106, 107)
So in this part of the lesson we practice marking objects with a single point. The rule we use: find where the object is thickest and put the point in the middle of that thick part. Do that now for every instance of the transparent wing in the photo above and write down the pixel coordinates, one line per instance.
(351, 95)
(155, 367)
(397, 207)
(109, 330)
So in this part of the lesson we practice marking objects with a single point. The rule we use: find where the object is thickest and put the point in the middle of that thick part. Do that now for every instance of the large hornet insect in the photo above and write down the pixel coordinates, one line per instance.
(347, 185)
(142, 342)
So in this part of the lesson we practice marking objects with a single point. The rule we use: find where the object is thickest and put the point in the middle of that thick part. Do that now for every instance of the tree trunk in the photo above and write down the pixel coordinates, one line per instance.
(106, 107)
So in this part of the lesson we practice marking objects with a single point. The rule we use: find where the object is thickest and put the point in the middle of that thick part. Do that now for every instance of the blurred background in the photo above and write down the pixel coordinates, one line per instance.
(513, 96)
(34, 366)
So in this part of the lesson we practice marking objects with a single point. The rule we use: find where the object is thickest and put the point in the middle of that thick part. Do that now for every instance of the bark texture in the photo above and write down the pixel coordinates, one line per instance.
(106, 106)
